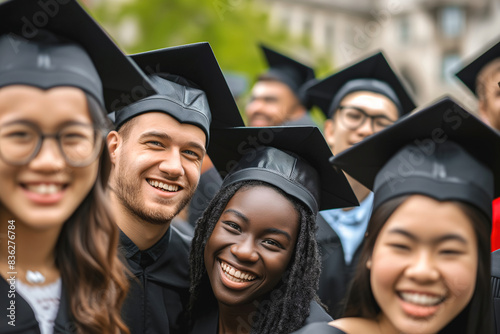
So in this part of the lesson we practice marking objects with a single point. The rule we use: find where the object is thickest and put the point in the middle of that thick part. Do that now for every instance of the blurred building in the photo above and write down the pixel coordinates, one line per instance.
(425, 40)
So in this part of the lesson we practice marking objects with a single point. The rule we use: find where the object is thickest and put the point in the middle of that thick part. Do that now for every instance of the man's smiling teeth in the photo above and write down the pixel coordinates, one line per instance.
(235, 275)
(44, 189)
(421, 299)
(163, 186)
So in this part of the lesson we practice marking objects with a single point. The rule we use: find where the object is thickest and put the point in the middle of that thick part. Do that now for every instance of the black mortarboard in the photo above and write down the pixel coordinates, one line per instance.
(289, 71)
(48, 44)
(441, 151)
(191, 88)
(283, 157)
(373, 74)
(468, 74)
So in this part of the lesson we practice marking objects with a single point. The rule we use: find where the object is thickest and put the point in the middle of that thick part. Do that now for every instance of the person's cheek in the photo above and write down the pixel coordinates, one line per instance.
(460, 279)
(382, 270)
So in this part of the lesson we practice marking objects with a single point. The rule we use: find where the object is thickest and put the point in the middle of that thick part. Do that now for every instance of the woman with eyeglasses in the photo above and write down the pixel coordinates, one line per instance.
(59, 269)
(358, 101)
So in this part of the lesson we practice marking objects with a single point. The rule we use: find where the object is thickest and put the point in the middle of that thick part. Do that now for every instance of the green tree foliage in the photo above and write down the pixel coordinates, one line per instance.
(232, 27)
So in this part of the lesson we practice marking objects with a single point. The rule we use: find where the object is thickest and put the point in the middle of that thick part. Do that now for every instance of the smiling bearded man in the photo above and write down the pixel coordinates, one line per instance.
(156, 154)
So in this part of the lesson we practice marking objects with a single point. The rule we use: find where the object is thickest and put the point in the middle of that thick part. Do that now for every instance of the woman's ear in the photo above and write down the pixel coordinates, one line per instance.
(369, 264)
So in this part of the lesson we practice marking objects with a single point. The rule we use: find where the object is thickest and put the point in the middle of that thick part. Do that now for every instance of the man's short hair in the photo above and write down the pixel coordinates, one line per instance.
(126, 128)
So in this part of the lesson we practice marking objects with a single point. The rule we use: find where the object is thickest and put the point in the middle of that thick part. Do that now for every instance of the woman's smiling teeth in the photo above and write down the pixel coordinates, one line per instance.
(421, 299)
(235, 275)
(163, 186)
(44, 189)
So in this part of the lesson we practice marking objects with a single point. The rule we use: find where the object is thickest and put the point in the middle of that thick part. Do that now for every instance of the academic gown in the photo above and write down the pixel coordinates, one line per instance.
(336, 275)
(209, 322)
(26, 322)
(495, 288)
(319, 328)
(157, 299)
(209, 185)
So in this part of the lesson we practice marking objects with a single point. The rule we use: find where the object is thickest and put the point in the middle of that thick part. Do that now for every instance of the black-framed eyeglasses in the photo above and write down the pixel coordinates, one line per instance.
(353, 117)
(21, 141)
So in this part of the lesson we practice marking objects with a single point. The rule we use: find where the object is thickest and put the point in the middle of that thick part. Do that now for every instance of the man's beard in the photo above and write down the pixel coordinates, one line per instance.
(127, 195)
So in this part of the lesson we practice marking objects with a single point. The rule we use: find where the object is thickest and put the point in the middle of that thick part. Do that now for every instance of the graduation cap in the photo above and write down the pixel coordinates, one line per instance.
(442, 151)
(191, 88)
(373, 74)
(283, 157)
(56, 43)
(288, 71)
(468, 74)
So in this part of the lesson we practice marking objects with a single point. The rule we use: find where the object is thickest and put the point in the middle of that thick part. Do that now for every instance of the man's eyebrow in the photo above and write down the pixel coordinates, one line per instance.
(165, 136)
(377, 115)
(155, 133)
(263, 97)
(197, 146)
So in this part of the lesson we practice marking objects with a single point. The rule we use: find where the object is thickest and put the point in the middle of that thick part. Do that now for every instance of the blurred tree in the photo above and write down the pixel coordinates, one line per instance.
(233, 27)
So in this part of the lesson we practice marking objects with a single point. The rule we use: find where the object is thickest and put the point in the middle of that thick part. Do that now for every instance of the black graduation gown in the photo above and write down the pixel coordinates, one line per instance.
(336, 275)
(209, 185)
(209, 322)
(319, 328)
(183, 226)
(495, 288)
(157, 299)
(26, 322)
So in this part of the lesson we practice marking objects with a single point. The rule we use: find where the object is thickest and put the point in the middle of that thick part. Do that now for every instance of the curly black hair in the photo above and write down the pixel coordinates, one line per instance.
(285, 308)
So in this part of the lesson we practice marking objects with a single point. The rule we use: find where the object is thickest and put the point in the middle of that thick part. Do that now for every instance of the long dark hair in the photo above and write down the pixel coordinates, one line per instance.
(86, 254)
(476, 316)
(285, 308)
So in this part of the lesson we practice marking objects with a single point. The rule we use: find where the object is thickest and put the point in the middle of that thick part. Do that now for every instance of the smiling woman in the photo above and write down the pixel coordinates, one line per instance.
(422, 274)
(61, 272)
(252, 243)
(425, 265)
(254, 258)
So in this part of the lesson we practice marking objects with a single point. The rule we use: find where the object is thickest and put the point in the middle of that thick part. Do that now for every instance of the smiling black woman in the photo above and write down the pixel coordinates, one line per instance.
(254, 259)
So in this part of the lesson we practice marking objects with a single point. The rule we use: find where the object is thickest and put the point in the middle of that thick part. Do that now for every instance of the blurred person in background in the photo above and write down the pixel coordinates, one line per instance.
(481, 76)
(278, 97)
(358, 101)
